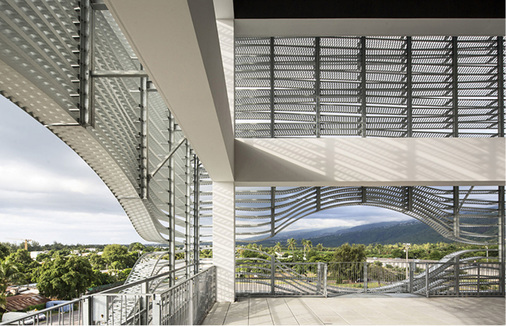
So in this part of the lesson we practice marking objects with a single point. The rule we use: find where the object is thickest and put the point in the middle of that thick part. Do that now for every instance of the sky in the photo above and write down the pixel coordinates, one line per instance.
(48, 193)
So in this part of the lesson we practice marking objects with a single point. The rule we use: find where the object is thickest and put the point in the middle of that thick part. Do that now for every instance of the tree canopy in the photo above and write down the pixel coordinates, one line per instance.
(65, 277)
(347, 253)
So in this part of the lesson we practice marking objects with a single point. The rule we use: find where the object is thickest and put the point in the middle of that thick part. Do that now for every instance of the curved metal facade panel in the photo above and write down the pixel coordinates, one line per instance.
(465, 214)
(129, 137)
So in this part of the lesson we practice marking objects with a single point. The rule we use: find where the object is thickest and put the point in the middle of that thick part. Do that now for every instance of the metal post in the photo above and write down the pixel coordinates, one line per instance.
(502, 236)
(427, 280)
(456, 212)
(317, 86)
(157, 311)
(190, 302)
(273, 274)
(325, 272)
(272, 85)
(412, 267)
(500, 86)
(86, 116)
(172, 204)
(409, 87)
(363, 194)
(363, 98)
(144, 317)
(188, 217)
(319, 279)
(478, 280)
(409, 198)
(144, 152)
(273, 211)
(455, 87)
(318, 198)
(87, 312)
(196, 212)
(457, 275)
(365, 277)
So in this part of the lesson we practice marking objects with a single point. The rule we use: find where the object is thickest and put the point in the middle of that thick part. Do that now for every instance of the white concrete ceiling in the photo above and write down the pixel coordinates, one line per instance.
(177, 42)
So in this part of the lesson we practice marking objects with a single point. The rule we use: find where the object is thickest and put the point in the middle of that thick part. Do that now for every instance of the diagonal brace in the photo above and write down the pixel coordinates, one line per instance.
(152, 174)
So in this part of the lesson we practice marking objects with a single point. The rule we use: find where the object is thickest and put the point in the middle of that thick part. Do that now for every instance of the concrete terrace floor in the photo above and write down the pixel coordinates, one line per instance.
(360, 310)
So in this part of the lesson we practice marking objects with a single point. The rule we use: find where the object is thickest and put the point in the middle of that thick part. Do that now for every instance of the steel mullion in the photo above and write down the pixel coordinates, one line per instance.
(272, 86)
(409, 86)
(363, 86)
(172, 203)
(144, 151)
(455, 89)
(500, 86)
(85, 62)
(318, 86)
(196, 213)
(188, 221)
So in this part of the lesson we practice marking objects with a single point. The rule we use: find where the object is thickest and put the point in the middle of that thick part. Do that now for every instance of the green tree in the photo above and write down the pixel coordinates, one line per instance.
(277, 247)
(25, 264)
(319, 247)
(96, 261)
(8, 272)
(119, 254)
(136, 246)
(65, 277)
(4, 250)
(307, 245)
(291, 244)
(347, 253)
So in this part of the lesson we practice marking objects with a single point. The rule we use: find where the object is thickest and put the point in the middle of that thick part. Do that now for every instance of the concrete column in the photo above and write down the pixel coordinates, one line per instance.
(224, 239)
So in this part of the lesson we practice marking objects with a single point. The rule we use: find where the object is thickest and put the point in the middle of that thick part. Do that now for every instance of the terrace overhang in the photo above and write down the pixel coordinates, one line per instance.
(177, 42)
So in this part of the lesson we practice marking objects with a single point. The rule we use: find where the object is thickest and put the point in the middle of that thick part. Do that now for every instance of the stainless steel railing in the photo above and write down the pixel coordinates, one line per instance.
(452, 276)
(184, 303)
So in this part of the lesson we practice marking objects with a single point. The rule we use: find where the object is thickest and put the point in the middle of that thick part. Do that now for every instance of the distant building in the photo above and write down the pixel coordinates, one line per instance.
(22, 301)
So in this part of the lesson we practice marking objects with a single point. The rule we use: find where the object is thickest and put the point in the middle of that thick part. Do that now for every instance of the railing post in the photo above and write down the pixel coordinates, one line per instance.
(273, 274)
(319, 278)
(144, 316)
(478, 280)
(190, 301)
(87, 307)
(157, 310)
(365, 277)
(325, 272)
(427, 280)
(412, 267)
(457, 276)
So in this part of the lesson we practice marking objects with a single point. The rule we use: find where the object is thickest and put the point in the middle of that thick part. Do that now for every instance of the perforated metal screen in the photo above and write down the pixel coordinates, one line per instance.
(420, 86)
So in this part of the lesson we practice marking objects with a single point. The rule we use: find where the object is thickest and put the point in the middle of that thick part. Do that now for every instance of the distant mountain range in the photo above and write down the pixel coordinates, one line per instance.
(383, 233)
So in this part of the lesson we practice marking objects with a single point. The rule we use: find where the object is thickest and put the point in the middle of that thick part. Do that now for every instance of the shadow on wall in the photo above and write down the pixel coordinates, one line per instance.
(369, 162)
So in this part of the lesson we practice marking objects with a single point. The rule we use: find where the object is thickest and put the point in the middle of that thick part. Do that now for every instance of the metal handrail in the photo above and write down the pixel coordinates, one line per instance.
(108, 292)
(151, 278)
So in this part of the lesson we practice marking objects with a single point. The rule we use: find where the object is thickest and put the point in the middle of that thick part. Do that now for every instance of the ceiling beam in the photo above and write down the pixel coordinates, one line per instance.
(370, 161)
(369, 27)
(177, 43)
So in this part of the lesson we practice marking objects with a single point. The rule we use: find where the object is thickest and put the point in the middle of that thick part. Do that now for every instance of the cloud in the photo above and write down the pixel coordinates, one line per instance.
(66, 227)
(48, 193)
(348, 216)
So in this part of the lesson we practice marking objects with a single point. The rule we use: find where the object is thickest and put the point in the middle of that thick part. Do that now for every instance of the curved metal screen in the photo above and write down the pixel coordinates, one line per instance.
(63, 61)
(465, 214)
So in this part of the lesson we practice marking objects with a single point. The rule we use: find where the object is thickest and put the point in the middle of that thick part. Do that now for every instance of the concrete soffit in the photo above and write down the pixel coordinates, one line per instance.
(177, 42)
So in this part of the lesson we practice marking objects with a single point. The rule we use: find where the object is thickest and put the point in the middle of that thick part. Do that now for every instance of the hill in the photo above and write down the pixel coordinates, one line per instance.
(383, 233)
